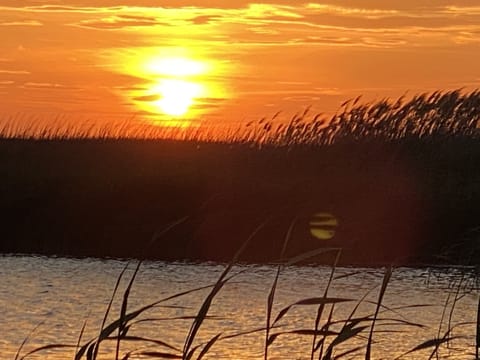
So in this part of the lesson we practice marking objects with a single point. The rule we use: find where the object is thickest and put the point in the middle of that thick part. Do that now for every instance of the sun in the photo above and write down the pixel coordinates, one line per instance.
(176, 96)
(178, 83)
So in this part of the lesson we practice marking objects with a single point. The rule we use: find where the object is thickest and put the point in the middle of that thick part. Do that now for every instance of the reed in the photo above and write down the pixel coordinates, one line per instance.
(438, 115)
(333, 339)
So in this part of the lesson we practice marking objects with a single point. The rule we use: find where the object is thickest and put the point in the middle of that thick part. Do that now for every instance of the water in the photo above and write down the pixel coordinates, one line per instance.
(61, 294)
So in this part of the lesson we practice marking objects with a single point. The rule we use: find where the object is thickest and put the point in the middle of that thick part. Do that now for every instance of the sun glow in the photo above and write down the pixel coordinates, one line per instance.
(176, 86)
(176, 66)
(176, 96)
(178, 82)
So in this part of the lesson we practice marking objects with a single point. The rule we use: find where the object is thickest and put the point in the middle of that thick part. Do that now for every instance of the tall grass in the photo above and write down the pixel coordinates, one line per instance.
(437, 114)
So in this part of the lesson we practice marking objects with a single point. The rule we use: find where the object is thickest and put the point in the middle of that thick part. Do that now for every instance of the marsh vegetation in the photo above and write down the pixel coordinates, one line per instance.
(400, 176)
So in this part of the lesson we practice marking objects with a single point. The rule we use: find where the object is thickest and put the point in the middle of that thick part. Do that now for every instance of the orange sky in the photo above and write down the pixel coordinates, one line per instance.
(105, 59)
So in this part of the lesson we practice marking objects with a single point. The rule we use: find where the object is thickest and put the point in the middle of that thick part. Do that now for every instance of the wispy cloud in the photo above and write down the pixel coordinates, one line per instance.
(14, 72)
(21, 23)
(120, 22)
(59, 9)
(205, 19)
(38, 85)
(369, 13)
(147, 98)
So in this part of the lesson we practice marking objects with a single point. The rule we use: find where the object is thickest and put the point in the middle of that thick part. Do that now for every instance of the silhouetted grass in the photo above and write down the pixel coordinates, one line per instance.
(438, 114)
(401, 176)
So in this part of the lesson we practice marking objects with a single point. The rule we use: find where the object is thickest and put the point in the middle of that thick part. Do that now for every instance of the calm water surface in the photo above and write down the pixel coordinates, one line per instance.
(61, 294)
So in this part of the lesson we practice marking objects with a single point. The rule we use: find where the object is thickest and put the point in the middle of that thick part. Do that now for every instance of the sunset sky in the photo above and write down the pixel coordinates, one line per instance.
(226, 61)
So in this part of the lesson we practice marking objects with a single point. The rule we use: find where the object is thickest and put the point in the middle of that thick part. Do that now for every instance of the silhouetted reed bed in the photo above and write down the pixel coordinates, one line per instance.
(401, 177)
(436, 115)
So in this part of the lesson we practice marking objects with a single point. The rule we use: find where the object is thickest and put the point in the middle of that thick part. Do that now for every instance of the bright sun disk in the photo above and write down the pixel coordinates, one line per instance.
(177, 96)
(177, 81)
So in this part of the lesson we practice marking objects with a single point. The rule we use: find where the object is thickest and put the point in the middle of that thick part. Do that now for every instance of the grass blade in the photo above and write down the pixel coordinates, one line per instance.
(271, 295)
(309, 301)
(159, 355)
(96, 345)
(322, 306)
(26, 339)
(80, 337)
(123, 310)
(386, 279)
(203, 311)
(208, 346)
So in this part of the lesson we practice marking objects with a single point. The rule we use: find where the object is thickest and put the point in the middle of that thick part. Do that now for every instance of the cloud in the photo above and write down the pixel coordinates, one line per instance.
(204, 19)
(14, 72)
(59, 9)
(47, 86)
(21, 23)
(208, 103)
(147, 98)
(351, 11)
(461, 10)
(120, 22)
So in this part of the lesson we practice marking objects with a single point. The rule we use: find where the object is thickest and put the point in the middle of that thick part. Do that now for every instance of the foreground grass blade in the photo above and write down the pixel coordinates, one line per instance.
(310, 254)
(431, 343)
(322, 307)
(350, 321)
(307, 332)
(108, 330)
(271, 294)
(309, 301)
(48, 347)
(80, 337)
(159, 234)
(26, 339)
(142, 339)
(347, 333)
(208, 346)
(123, 311)
(386, 279)
(348, 352)
(202, 313)
(158, 355)
(91, 347)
